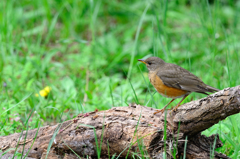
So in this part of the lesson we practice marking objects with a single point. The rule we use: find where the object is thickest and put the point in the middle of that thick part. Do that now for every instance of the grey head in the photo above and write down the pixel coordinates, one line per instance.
(153, 63)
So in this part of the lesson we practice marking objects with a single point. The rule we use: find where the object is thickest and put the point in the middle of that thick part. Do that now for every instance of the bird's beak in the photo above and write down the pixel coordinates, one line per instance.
(142, 61)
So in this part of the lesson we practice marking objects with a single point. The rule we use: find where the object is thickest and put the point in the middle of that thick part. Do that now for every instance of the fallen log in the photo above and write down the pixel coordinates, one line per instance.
(128, 131)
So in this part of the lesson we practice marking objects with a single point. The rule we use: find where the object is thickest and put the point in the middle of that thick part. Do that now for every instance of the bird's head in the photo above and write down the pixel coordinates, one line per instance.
(152, 63)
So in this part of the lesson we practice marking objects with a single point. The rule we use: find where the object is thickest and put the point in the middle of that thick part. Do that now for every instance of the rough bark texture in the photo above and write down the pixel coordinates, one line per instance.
(123, 131)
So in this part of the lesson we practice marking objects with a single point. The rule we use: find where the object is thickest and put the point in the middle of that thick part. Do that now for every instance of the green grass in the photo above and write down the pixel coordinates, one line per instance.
(87, 52)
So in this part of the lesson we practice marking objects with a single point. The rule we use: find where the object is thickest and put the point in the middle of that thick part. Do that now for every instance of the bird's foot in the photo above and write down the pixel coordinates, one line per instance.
(175, 108)
(159, 111)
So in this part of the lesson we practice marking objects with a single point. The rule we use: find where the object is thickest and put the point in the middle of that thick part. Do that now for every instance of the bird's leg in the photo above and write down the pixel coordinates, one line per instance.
(163, 109)
(175, 108)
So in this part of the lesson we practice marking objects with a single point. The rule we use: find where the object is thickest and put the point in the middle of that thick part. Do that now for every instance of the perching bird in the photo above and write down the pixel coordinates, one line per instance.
(173, 81)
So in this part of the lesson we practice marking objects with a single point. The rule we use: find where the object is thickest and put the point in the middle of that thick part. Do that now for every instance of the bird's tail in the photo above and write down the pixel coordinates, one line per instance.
(211, 89)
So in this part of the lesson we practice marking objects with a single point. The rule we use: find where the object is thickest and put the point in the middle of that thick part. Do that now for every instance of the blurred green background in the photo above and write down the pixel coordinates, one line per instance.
(87, 51)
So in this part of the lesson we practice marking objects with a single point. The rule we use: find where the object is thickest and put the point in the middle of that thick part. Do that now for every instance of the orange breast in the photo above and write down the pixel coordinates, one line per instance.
(164, 90)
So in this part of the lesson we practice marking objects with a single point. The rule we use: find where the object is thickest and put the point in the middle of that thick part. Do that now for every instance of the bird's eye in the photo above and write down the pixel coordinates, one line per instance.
(149, 63)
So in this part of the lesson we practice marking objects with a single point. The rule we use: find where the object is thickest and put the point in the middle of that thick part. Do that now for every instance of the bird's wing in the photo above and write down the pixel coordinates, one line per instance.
(177, 77)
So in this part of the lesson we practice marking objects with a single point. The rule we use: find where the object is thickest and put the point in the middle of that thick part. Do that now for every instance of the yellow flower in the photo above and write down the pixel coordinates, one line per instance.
(47, 89)
(44, 92)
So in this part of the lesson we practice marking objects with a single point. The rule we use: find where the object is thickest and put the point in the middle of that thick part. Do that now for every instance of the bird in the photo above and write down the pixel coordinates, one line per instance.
(173, 81)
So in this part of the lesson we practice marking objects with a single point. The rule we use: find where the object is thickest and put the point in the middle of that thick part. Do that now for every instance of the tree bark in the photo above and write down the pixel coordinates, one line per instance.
(127, 131)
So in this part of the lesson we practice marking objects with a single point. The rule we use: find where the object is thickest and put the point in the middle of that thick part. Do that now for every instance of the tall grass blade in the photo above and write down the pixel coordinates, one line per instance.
(136, 40)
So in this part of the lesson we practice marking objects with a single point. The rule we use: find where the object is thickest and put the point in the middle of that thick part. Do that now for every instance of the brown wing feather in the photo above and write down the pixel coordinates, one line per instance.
(177, 77)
